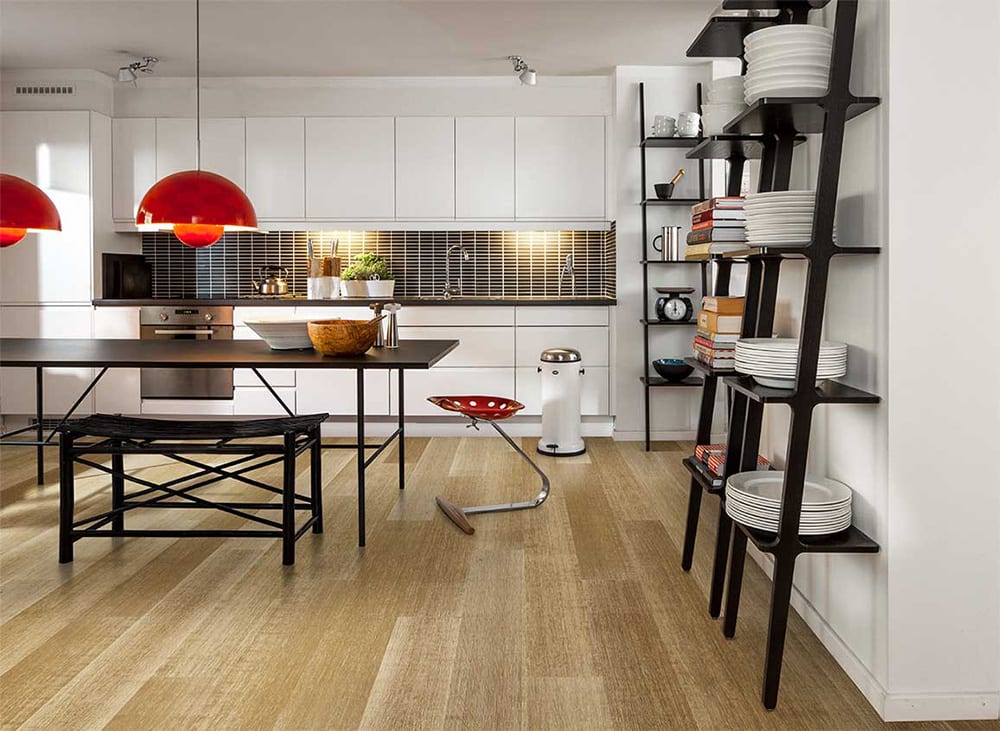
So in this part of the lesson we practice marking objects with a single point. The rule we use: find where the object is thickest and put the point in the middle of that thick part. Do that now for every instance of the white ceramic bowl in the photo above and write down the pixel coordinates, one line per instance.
(716, 116)
(282, 334)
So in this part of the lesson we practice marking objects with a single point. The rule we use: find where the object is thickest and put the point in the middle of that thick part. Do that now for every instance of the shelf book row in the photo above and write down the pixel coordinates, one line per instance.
(717, 227)
(719, 322)
(710, 460)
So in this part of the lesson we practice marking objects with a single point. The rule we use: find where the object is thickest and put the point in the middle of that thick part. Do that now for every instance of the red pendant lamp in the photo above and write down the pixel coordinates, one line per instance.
(24, 209)
(196, 205)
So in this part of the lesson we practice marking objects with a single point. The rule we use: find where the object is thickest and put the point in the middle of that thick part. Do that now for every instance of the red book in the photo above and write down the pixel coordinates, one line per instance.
(720, 214)
(719, 202)
(706, 225)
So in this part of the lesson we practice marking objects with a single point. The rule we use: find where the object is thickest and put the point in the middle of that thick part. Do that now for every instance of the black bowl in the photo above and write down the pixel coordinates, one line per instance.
(672, 369)
(664, 190)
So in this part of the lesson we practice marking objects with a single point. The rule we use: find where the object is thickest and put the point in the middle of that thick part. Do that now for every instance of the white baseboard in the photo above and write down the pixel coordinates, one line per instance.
(941, 707)
(680, 435)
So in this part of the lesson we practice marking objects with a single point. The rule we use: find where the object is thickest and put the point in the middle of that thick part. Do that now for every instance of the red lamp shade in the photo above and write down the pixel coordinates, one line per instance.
(24, 208)
(197, 206)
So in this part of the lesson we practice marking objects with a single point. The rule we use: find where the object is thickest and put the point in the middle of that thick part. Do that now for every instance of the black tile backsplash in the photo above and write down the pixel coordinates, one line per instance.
(501, 263)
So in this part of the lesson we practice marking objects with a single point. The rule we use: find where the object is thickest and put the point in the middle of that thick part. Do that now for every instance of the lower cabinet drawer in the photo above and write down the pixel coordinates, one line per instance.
(449, 382)
(594, 391)
(275, 376)
(486, 347)
(335, 392)
(592, 342)
(259, 401)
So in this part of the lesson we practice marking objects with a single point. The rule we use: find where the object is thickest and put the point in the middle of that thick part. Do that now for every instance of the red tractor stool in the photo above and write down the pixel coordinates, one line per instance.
(490, 409)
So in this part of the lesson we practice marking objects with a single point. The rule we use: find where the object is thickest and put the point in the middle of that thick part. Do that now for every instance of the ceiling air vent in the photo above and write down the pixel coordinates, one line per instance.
(46, 90)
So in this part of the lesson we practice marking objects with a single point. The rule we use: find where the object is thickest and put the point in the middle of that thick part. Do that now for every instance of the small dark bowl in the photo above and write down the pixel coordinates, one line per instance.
(672, 369)
(664, 190)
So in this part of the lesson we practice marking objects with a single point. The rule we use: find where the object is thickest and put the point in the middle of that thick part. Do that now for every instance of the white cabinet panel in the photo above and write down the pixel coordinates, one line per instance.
(594, 391)
(176, 146)
(133, 164)
(484, 167)
(118, 391)
(61, 386)
(51, 150)
(450, 382)
(335, 392)
(275, 376)
(560, 169)
(350, 167)
(457, 315)
(344, 312)
(425, 167)
(478, 346)
(223, 149)
(562, 316)
(275, 161)
(592, 342)
(260, 402)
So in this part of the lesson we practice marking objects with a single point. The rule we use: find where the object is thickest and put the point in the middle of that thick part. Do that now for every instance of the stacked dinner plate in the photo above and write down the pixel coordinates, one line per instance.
(773, 362)
(787, 61)
(780, 218)
(754, 499)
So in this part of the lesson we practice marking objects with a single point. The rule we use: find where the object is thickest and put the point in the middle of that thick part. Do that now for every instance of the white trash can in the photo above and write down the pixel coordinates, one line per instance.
(561, 373)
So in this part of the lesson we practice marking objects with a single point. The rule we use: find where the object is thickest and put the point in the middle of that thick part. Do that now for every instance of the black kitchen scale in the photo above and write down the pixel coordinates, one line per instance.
(674, 305)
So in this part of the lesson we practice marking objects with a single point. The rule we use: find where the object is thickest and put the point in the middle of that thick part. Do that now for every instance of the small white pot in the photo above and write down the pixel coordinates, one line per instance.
(381, 287)
(354, 287)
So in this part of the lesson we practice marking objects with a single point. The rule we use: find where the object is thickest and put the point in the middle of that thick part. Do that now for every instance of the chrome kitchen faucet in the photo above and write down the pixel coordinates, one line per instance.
(453, 290)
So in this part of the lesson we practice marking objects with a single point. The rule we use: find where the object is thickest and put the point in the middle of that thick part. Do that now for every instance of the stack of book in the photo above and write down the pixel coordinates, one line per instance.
(719, 323)
(710, 459)
(717, 227)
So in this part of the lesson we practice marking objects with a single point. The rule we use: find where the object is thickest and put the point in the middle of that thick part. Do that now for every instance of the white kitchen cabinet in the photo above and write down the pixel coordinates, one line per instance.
(478, 346)
(563, 316)
(425, 167)
(51, 150)
(176, 146)
(484, 168)
(133, 164)
(592, 342)
(457, 315)
(594, 391)
(61, 386)
(118, 392)
(560, 168)
(275, 166)
(440, 381)
(350, 167)
(260, 402)
(334, 392)
(223, 149)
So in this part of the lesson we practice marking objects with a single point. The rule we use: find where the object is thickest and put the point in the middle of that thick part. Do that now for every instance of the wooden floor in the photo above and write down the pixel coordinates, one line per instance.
(575, 615)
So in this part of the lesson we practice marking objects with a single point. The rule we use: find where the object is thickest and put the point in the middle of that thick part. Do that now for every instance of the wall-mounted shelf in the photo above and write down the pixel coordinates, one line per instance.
(851, 540)
(657, 382)
(655, 262)
(722, 36)
(709, 370)
(792, 115)
(669, 201)
(728, 147)
(828, 392)
(668, 323)
(670, 141)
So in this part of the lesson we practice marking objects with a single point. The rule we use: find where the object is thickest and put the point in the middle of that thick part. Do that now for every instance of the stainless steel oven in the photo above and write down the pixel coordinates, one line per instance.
(186, 323)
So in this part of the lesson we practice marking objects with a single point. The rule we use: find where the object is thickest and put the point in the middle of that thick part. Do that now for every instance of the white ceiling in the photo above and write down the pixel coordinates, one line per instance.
(349, 37)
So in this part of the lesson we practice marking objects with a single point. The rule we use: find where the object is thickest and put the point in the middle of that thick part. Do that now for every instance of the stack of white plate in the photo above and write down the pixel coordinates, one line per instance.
(787, 60)
(780, 218)
(754, 499)
(773, 362)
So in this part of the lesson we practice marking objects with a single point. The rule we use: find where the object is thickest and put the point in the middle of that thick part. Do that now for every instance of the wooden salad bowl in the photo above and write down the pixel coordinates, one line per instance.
(344, 338)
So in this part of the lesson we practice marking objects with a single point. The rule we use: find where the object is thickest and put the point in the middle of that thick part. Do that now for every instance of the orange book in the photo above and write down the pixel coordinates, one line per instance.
(723, 305)
(716, 323)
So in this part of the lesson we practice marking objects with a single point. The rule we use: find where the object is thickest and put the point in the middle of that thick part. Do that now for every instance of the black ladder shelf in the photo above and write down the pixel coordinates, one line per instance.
(781, 122)
(646, 143)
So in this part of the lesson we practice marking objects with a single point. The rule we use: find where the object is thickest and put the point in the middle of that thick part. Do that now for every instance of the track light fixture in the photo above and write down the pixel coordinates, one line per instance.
(526, 75)
(128, 74)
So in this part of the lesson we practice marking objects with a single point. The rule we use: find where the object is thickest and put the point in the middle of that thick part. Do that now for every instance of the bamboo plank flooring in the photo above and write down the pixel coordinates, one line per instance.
(572, 616)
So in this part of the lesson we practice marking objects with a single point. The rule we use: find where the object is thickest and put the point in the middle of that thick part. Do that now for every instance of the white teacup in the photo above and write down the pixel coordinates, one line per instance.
(664, 126)
(688, 124)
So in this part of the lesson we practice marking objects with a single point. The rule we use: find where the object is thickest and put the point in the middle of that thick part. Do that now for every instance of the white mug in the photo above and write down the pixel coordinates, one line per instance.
(664, 126)
(688, 124)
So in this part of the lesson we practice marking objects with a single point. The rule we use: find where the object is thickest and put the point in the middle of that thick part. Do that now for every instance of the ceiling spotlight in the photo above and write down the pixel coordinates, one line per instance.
(526, 75)
(128, 74)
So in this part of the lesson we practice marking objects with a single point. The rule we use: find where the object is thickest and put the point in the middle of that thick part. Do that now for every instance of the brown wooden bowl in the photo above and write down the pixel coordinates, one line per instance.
(344, 337)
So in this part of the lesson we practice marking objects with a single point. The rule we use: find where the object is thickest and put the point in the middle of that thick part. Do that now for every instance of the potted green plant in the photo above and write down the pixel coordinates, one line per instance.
(375, 271)
(353, 282)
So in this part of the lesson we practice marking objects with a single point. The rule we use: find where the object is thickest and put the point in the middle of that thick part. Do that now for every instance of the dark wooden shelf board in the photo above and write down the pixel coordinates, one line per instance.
(849, 541)
(771, 4)
(727, 147)
(790, 115)
(657, 382)
(691, 465)
(669, 201)
(670, 141)
(709, 370)
(722, 36)
(798, 252)
(651, 262)
(668, 323)
(829, 392)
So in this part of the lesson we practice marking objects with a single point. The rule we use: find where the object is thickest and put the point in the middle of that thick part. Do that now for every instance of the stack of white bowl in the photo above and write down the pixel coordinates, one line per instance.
(754, 499)
(780, 218)
(723, 103)
(786, 61)
(774, 362)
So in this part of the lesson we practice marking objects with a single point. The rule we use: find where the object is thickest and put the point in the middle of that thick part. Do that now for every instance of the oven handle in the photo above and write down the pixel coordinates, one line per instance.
(204, 331)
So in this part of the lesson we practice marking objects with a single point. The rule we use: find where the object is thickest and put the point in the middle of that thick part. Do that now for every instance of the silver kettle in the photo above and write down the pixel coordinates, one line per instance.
(273, 280)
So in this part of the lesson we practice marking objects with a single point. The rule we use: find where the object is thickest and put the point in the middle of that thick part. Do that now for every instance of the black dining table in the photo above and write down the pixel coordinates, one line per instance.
(40, 353)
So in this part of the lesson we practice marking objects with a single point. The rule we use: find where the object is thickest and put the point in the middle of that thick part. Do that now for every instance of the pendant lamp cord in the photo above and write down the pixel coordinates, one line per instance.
(197, 80)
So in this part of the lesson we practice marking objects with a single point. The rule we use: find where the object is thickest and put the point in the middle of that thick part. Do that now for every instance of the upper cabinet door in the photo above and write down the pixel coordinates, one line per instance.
(425, 167)
(275, 166)
(176, 146)
(560, 167)
(350, 167)
(484, 167)
(223, 149)
(133, 164)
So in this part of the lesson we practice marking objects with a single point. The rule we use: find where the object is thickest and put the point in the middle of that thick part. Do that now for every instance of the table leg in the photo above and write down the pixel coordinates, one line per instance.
(402, 435)
(40, 449)
(361, 456)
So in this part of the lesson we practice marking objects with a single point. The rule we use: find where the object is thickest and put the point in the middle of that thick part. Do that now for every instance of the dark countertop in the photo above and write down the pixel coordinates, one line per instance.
(360, 301)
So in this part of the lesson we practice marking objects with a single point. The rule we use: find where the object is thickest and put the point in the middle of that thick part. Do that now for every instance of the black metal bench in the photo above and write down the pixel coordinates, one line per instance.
(82, 439)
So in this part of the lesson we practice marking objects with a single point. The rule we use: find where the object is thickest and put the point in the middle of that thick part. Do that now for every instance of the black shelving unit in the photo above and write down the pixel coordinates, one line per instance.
(772, 128)
(648, 380)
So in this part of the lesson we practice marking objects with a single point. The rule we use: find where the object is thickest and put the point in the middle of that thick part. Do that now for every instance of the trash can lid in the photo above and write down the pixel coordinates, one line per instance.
(560, 355)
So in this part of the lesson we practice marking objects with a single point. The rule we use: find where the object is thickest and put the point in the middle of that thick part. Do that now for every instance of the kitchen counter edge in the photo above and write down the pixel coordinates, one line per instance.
(359, 301)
